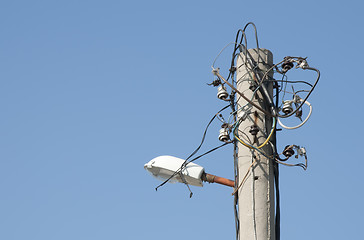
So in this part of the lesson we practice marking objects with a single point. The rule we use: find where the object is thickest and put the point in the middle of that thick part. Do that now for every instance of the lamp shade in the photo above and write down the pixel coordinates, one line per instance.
(163, 167)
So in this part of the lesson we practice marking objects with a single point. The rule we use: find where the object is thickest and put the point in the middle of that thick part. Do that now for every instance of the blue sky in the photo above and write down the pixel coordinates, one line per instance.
(92, 90)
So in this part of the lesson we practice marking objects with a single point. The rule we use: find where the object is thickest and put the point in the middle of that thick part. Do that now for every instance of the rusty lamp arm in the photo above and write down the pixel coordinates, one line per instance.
(215, 179)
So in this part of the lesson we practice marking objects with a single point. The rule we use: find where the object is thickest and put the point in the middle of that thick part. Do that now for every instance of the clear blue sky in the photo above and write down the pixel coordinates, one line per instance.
(92, 90)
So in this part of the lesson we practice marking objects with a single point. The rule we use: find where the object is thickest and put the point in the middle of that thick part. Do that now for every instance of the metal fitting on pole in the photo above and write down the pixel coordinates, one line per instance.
(215, 179)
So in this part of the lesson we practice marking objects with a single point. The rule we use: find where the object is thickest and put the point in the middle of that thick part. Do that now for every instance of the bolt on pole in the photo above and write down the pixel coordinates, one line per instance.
(255, 171)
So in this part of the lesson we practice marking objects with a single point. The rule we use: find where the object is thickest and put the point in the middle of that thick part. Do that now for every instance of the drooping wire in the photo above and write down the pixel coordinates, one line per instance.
(213, 63)
(204, 134)
(180, 169)
(194, 152)
(209, 151)
(256, 35)
(290, 81)
(266, 95)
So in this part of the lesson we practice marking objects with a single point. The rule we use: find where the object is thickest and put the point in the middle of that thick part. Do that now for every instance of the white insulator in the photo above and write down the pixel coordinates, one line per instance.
(222, 93)
(287, 107)
(224, 135)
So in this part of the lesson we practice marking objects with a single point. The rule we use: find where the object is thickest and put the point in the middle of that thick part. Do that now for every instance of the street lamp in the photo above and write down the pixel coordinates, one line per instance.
(166, 167)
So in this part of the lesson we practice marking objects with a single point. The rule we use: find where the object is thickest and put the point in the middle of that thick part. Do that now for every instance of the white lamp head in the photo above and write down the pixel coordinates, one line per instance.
(163, 167)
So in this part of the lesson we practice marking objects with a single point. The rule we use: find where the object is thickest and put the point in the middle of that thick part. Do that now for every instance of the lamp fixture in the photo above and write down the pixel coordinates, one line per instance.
(164, 167)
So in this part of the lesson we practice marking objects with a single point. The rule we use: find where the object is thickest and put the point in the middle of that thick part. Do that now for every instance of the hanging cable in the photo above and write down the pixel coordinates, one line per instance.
(256, 35)
(309, 93)
(196, 150)
(204, 134)
(180, 169)
(304, 67)
(302, 165)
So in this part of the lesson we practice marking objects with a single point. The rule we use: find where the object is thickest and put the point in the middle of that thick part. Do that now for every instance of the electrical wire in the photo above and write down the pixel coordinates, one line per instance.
(210, 151)
(265, 92)
(278, 160)
(236, 168)
(213, 63)
(307, 96)
(302, 165)
(256, 35)
(242, 108)
(242, 95)
(277, 194)
(236, 47)
(243, 47)
(253, 204)
(244, 178)
(267, 72)
(204, 134)
(263, 144)
(290, 81)
(273, 143)
(284, 92)
(263, 89)
(303, 122)
(195, 151)
(180, 169)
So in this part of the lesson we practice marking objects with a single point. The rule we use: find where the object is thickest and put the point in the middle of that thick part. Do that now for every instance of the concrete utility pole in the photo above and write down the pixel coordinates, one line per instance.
(256, 193)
